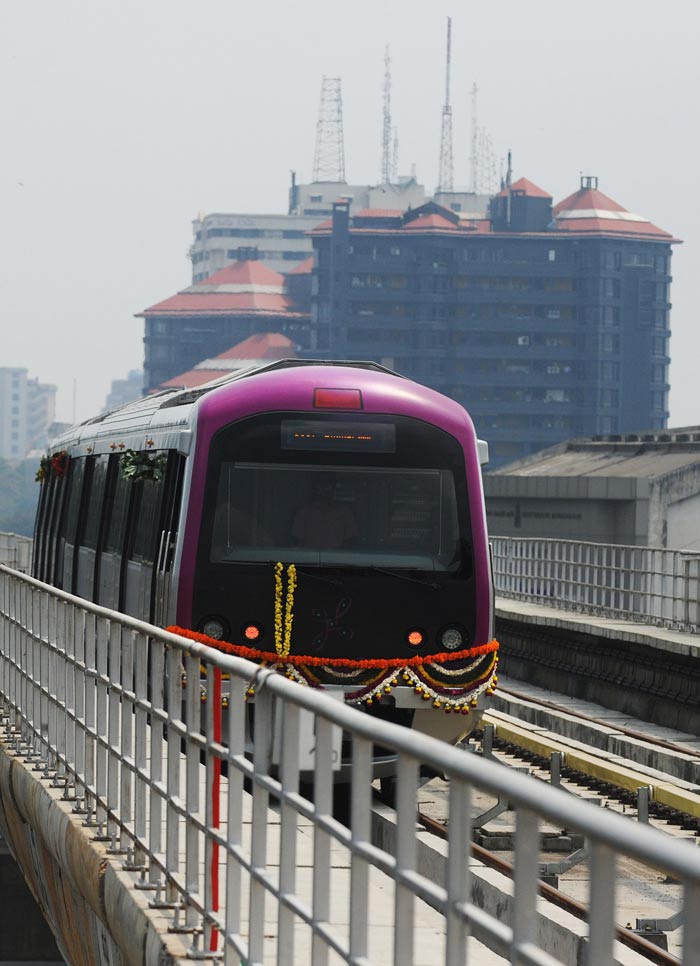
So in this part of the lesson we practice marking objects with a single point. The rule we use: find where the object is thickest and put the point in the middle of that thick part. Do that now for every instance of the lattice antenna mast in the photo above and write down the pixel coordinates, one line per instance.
(395, 160)
(474, 151)
(329, 156)
(446, 180)
(386, 121)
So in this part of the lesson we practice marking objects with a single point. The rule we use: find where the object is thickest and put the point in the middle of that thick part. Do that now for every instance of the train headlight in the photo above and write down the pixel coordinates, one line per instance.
(451, 639)
(213, 627)
(415, 637)
(252, 632)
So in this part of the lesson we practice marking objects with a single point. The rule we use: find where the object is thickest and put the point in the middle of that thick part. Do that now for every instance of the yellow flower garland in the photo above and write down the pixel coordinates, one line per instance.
(284, 617)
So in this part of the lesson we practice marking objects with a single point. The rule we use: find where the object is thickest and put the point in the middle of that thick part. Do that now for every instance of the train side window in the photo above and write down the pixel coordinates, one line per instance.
(40, 528)
(116, 524)
(76, 476)
(95, 505)
(51, 530)
(146, 519)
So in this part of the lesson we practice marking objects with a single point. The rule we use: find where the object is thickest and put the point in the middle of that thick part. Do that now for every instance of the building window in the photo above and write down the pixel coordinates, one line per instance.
(552, 255)
(639, 259)
(316, 198)
(609, 398)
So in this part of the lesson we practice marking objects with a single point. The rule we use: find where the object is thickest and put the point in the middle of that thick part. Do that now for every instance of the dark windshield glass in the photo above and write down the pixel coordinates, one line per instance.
(398, 516)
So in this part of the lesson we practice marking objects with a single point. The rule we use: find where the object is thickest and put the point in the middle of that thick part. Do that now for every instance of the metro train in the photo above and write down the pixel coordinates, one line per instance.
(325, 518)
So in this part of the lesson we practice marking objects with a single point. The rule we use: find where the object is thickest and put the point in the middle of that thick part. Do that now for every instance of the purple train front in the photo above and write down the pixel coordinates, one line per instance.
(328, 517)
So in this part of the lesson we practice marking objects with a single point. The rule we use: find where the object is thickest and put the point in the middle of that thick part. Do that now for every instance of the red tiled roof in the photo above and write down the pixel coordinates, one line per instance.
(262, 345)
(242, 288)
(241, 273)
(609, 225)
(586, 199)
(524, 187)
(589, 210)
(305, 267)
(191, 379)
(379, 213)
(221, 303)
(430, 222)
(256, 348)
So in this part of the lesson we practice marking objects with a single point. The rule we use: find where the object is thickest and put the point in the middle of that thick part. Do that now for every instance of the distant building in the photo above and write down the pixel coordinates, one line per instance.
(245, 299)
(124, 391)
(545, 322)
(27, 408)
(256, 350)
(283, 241)
(639, 489)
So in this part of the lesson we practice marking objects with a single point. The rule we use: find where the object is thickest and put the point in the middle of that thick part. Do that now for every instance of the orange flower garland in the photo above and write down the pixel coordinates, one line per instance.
(413, 670)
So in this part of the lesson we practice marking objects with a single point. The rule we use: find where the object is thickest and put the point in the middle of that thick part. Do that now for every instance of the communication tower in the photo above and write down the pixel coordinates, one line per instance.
(386, 122)
(446, 179)
(482, 159)
(329, 155)
(474, 140)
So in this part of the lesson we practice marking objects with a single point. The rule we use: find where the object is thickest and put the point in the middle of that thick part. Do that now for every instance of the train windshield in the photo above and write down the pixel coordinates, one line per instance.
(334, 514)
(334, 491)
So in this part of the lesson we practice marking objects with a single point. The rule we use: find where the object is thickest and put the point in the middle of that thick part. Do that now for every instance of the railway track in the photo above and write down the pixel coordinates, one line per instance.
(541, 741)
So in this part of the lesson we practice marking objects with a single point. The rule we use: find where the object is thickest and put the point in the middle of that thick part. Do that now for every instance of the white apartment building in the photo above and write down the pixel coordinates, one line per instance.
(27, 409)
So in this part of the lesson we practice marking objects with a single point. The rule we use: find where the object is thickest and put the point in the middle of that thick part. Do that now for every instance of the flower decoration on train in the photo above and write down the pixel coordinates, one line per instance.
(142, 466)
(52, 466)
(43, 470)
(284, 617)
(444, 679)
(59, 464)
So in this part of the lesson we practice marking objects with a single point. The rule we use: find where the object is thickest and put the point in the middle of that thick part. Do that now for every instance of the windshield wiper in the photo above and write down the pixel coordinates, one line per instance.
(326, 580)
(401, 575)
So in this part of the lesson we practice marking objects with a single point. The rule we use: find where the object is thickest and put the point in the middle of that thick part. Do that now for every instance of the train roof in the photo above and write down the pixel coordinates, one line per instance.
(164, 420)
(172, 407)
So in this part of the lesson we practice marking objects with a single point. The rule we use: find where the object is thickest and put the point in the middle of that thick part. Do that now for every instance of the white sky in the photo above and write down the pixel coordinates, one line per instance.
(121, 120)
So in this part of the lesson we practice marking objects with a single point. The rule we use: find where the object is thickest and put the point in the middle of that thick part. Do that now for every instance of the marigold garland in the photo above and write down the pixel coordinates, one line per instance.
(253, 654)
(460, 699)
(283, 621)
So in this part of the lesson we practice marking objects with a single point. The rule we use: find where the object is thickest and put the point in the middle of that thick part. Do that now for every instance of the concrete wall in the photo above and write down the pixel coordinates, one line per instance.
(674, 509)
(683, 524)
(598, 521)
(86, 896)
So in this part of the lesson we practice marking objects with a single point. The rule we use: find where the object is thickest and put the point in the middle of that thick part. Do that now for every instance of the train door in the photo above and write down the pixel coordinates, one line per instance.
(172, 498)
(146, 542)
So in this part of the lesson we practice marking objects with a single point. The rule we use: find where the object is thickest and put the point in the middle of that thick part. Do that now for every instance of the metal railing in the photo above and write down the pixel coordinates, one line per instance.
(16, 551)
(112, 708)
(644, 584)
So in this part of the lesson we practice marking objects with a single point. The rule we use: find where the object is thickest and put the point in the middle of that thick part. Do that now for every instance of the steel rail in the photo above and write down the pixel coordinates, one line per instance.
(629, 732)
(558, 898)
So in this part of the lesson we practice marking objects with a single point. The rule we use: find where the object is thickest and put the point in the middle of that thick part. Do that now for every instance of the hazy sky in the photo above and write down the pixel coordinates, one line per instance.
(121, 120)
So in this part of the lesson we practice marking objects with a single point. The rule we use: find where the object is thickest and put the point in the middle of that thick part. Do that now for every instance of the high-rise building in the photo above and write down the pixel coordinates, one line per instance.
(123, 391)
(546, 322)
(27, 409)
(283, 241)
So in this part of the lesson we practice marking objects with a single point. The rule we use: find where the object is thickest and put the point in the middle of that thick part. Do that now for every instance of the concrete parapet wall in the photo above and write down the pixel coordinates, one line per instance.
(87, 898)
